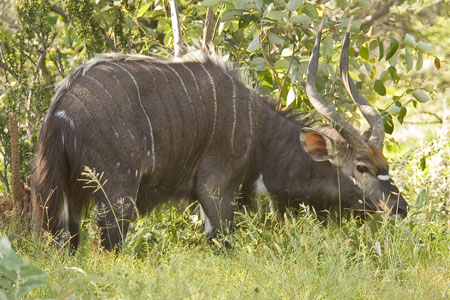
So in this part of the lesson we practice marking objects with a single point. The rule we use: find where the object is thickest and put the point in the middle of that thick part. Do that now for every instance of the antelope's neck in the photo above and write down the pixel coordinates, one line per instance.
(281, 151)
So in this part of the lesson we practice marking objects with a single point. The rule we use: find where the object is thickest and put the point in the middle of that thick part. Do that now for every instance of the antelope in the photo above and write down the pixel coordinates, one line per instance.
(188, 128)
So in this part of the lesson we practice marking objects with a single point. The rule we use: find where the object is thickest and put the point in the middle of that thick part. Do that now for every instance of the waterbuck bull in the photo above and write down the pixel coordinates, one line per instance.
(189, 129)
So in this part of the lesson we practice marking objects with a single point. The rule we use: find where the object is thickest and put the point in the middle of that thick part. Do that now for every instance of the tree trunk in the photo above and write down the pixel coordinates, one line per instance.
(19, 195)
(176, 28)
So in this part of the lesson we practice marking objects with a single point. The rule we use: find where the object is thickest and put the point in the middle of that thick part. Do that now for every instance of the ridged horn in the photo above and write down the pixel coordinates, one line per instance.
(350, 134)
(368, 111)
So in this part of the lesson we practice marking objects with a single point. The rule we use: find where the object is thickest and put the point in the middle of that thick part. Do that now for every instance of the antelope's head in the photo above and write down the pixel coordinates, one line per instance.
(358, 157)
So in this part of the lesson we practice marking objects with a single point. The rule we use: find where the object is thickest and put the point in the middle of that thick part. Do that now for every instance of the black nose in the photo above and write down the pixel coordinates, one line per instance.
(401, 207)
(401, 211)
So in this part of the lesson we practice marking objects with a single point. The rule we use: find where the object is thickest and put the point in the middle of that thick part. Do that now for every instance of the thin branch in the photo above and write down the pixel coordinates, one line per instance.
(294, 51)
(149, 36)
(261, 40)
(208, 28)
(439, 119)
(382, 11)
(216, 26)
(59, 10)
(9, 70)
(165, 9)
(176, 29)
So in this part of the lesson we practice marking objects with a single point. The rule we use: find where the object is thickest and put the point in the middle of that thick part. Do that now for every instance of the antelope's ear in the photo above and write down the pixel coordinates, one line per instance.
(319, 146)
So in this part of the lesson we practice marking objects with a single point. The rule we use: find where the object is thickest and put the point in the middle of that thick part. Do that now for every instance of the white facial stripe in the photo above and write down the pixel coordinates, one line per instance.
(354, 181)
(384, 177)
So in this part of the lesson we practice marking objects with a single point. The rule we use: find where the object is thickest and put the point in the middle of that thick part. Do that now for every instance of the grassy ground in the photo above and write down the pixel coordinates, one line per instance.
(167, 257)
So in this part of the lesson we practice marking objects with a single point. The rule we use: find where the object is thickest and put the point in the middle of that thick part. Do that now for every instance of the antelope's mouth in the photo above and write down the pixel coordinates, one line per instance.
(367, 206)
(392, 213)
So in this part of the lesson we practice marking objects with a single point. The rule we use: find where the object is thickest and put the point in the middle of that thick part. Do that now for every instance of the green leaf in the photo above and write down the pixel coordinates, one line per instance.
(410, 40)
(424, 47)
(275, 39)
(373, 45)
(408, 60)
(384, 75)
(231, 15)
(402, 114)
(254, 44)
(27, 286)
(311, 11)
(364, 53)
(421, 96)
(276, 15)
(6, 284)
(142, 10)
(210, 2)
(379, 87)
(327, 46)
(368, 67)
(423, 195)
(11, 275)
(5, 246)
(419, 62)
(393, 71)
(363, 3)
(393, 46)
(387, 122)
(31, 271)
(5, 296)
(293, 5)
(393, 60)
(242, 4)
(380, 48)
(282, 64)
(258, 63)
(300, 19)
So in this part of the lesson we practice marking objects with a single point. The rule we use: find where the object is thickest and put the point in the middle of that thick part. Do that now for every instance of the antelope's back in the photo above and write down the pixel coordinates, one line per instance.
(148, 116)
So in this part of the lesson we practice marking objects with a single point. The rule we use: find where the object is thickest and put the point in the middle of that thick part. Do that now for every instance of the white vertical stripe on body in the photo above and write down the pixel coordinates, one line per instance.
(211, 80)
(233, 128)
(146, 115)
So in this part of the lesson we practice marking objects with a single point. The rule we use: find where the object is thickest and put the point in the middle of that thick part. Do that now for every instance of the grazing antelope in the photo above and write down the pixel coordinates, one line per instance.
(162, 130)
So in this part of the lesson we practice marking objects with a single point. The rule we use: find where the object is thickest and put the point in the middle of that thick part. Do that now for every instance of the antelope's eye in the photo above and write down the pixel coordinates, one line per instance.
(361, 168)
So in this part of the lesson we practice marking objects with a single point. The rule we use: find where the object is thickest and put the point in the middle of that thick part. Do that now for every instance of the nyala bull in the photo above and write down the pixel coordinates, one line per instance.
(189, 129)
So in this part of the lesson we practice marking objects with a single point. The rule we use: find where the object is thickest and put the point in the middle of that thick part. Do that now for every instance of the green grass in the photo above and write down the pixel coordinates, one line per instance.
(167, 257)
(299, 258)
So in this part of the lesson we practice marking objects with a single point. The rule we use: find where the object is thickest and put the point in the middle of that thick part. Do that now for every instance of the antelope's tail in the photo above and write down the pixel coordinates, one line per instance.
(49, 183)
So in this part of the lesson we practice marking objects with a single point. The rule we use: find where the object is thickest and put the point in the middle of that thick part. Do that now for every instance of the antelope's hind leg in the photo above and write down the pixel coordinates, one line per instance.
(116, 209)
